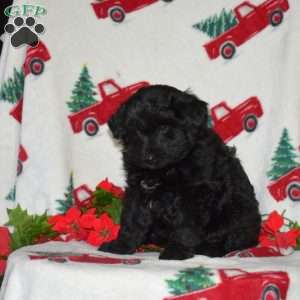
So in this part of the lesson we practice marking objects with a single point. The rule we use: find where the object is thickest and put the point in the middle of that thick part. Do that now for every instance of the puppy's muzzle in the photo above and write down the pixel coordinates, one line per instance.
(149, 185)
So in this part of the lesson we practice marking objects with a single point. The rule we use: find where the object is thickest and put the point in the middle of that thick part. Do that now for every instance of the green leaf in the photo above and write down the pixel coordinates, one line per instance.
(102, 198)
(114, 210)
(27, 228)
(106, 202)
(17, 216)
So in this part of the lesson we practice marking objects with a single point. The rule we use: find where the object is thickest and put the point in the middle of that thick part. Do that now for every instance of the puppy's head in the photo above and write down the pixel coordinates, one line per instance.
(158, 126)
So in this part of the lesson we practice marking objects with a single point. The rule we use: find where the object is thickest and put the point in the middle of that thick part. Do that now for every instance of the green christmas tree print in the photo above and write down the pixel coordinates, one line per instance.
(12, 89)
(65, 204)
(12, 194)
(83, 92)
(191, 279)
(284, 158)
(217, 24)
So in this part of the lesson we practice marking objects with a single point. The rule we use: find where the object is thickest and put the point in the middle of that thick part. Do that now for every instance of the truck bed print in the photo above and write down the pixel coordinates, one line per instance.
(251, 19)
(112, 96)
(229, 122)
(287, 185)
(117, 9)
(238, 284)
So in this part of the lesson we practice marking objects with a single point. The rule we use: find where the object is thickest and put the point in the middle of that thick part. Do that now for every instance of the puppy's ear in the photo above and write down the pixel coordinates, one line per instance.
(191, 109)
(117, 123)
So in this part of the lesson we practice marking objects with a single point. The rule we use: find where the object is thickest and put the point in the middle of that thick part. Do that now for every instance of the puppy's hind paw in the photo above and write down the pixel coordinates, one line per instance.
(116, 247)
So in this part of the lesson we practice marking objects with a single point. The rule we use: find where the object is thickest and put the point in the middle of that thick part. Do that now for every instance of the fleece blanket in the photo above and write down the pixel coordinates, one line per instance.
(76, 271)
(66, 66)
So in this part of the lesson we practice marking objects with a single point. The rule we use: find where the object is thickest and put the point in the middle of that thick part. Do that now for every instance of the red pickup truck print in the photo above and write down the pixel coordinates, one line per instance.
(17, 110)
(82, 258)
(16, 113)
(251, 19)
(117, 9)
(89, 118)
(229, 122)
(287, 185)
(255, 252)
(22, 157)
(236, 284)
(35, 59)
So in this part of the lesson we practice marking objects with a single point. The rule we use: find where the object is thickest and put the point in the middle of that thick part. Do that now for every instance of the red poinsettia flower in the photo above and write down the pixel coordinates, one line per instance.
(69, 224)
(87, 219)
(110, 187)
(271, 235)
(104, 230)
(287, 239)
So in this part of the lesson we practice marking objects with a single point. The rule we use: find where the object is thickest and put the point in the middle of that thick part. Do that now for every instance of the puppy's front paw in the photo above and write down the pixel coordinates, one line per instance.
(176, 253)
(117, 247)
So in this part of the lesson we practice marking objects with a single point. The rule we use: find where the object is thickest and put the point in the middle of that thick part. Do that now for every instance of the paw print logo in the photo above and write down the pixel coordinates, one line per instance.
(24, 32)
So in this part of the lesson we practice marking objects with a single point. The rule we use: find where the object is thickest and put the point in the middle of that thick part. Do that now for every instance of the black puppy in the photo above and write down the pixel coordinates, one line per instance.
(186, 190)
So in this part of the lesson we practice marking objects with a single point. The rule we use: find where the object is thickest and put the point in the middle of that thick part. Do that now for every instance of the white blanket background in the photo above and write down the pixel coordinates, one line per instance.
(157, 44)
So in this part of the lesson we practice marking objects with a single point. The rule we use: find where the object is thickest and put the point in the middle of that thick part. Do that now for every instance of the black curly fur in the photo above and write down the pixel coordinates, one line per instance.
(186, 190)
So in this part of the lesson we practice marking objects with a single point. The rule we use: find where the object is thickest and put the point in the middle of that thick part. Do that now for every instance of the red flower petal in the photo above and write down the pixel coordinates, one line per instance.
(109, 187)
(267, 240)
(292, 236)
(105, 185)
(91, 211)
(281, 240)
(103, 221)
(54, 219)
(87, 220)
(117, 192)
(81, 235)
(61, 227)
(73, 213)
(274, 222)
(94, 239)
(105, 230)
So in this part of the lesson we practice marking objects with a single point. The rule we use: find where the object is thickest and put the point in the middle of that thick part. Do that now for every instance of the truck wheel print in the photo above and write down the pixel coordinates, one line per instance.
(19, 167)
(91, 127)
(117, 14)
(36, 66)
(228, 50)
(276, 18)
(250, 123)
(293, 191)
(167, 1)
(271, 292)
